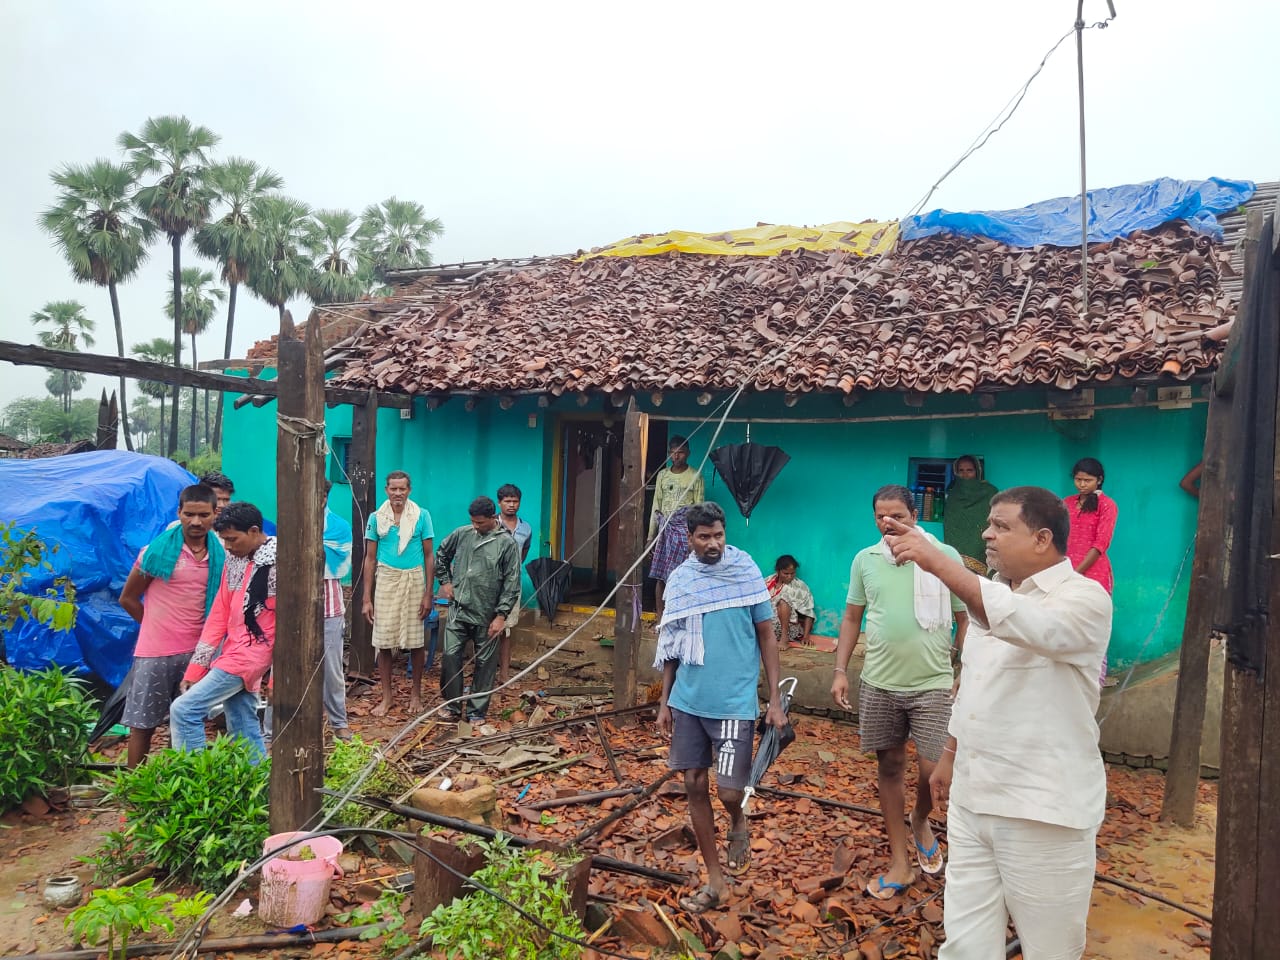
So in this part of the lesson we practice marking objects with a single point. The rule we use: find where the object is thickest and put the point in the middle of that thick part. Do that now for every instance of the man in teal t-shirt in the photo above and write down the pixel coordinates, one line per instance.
(399, 579)
(906, 682)
(716, 630)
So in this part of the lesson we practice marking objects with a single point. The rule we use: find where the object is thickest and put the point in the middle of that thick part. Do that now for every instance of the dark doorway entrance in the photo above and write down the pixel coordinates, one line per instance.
(592, 474)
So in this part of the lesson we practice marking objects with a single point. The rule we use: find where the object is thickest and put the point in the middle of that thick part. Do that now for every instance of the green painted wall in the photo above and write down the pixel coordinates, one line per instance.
(452, 455)
(819, 508)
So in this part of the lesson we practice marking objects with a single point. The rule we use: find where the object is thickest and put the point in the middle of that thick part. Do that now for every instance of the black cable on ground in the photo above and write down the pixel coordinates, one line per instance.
(265, 941)
(1152, 895)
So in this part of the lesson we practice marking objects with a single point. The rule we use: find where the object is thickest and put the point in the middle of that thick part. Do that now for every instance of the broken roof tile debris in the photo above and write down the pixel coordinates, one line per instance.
(941, 314)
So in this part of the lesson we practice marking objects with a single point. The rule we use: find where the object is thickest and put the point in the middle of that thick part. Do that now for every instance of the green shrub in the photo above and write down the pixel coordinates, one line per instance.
(348, 758)
(197, 816)
(22, 553)
(120, 912)
(480, 926)
(206, 460)
(44, 721)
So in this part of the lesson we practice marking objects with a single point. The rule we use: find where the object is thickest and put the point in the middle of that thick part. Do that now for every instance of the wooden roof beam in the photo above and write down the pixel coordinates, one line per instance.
(31, 355)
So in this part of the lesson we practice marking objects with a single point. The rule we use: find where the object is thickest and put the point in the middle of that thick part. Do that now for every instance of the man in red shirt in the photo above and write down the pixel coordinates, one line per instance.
(177, 575)
(242, 621)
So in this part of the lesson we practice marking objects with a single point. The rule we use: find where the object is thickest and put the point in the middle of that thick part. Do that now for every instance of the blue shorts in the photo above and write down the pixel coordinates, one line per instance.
(693, 739)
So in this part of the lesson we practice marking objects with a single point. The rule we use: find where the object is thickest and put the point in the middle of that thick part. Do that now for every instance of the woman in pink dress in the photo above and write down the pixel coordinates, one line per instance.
(1093, 523)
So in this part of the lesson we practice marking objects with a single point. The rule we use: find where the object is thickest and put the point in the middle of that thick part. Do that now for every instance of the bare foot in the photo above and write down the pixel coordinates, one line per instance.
(415, 706)
(382, 709)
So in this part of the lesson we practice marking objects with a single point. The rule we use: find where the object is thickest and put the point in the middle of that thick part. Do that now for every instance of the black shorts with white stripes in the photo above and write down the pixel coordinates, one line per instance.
(693, 739)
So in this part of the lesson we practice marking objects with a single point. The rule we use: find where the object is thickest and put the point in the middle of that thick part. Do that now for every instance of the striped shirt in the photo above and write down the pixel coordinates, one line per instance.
(333, 603)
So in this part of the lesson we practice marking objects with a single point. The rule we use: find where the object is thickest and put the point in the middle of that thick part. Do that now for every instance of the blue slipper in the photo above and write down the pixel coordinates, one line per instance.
(887, 889)
(930, 860)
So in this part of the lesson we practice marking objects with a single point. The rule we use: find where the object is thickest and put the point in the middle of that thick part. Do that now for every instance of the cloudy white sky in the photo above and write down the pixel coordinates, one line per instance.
(543, 128)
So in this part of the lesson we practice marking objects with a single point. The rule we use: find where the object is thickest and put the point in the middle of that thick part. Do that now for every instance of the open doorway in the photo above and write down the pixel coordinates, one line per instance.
(592, 477)
(591, 468)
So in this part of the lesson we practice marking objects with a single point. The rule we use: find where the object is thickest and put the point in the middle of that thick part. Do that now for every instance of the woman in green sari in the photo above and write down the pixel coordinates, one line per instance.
(968, 501)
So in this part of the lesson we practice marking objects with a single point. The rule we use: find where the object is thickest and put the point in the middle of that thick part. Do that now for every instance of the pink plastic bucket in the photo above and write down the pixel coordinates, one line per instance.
(296, 891)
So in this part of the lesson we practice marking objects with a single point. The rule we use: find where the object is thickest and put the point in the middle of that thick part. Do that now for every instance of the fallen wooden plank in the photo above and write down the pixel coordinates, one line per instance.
(582, 798)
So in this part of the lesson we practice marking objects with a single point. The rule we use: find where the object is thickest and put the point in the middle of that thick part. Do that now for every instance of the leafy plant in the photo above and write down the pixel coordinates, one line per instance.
(189, 908)
(44, 721)
(119, 912)
(348, 759)
(21, 554)
(197, 816)
(387, 909)
(206, 460)
(481, 926)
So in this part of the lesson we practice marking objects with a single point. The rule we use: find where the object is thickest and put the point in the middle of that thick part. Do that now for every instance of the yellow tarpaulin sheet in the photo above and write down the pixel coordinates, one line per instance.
(864, 239)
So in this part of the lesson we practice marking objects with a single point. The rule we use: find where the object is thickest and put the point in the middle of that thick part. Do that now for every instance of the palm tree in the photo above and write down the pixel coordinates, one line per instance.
(283, 269)
(395, 235)
(68, 328)
(102, 238)
(230, 239)
(340, 277)
(143, 416)
(200, 299)
(177, 203)
(62, 384)
(159, 350)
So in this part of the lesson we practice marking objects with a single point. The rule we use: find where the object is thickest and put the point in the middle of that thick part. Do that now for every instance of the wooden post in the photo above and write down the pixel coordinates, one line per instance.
(108, 422)
(1183, 779)
(297, 752)
(362, 470)
(1246, 924)
(631, 531)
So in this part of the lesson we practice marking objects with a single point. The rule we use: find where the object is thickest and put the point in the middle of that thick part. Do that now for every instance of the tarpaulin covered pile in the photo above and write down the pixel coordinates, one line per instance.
(766, 240)
(1113, 212)
(98, 509)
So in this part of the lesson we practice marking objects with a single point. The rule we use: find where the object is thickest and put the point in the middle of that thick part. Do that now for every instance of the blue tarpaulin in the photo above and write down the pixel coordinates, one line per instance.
(1113, 212)
(99, 509)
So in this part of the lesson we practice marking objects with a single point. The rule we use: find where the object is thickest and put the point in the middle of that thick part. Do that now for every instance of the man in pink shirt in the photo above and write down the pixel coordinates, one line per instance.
(242, 621)
(177, 576)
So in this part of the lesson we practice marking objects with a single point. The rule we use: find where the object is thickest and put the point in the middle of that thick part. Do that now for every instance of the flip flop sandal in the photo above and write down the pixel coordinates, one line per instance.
(738, 855)
(931, 862)
(704, 900)
(883, 889)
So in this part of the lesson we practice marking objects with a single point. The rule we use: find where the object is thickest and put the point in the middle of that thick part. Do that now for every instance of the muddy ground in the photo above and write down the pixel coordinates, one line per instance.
(788, 904)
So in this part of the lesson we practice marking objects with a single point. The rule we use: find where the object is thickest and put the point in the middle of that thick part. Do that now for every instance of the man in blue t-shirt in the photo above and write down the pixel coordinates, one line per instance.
(716, 630)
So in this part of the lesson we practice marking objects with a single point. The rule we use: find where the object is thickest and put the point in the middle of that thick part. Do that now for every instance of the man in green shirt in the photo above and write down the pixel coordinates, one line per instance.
(907, 681)
(478, 566)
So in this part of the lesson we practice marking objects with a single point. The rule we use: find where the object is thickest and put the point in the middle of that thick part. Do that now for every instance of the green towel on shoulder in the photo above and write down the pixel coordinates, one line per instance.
(162, 556)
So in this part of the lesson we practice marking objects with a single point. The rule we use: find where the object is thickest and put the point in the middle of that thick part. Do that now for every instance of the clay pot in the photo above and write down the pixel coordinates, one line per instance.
(62, 892)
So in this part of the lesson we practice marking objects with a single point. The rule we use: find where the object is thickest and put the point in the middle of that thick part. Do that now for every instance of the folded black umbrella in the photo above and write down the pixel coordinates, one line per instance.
(747, 470)
(550, 583)
(772, 742)
(112, 708)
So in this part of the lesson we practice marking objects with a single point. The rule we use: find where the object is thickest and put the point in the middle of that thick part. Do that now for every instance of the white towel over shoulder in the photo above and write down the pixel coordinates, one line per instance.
(932, 599)
(408, 522)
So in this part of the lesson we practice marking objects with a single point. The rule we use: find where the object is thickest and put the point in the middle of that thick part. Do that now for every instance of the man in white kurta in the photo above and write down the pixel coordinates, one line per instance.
(1022, 771)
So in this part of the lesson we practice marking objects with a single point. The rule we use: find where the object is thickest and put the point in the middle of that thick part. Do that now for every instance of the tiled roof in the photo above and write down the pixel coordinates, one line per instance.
(41, 451)
(938, 314)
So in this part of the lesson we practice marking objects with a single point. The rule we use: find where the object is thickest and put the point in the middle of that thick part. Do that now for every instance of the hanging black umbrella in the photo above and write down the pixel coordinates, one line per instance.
(747, 470)
(112, 708)
(772, 742)
(550, 582)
